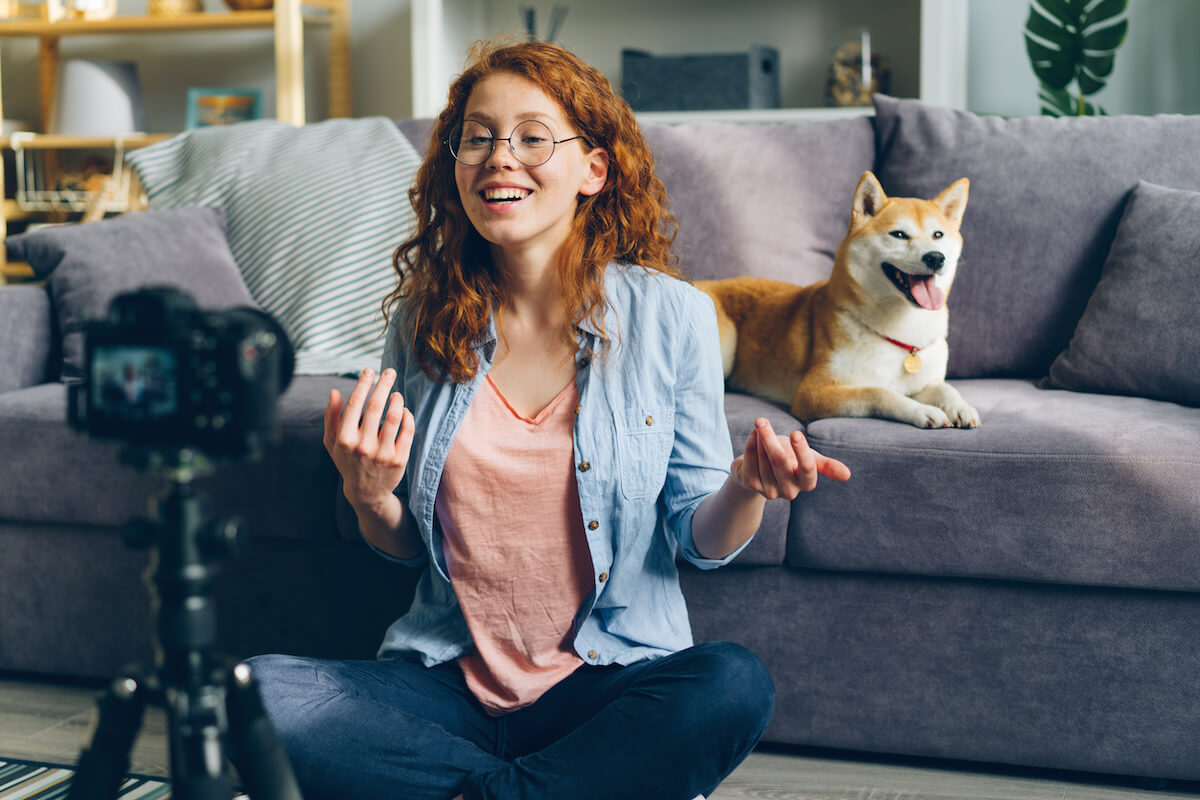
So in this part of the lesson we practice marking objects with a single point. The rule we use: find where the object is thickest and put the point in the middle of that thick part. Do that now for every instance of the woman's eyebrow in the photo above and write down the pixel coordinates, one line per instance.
(489, 120)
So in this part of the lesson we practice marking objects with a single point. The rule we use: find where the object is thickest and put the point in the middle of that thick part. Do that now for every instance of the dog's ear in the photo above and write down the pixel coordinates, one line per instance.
(868, 199)
(953, 200)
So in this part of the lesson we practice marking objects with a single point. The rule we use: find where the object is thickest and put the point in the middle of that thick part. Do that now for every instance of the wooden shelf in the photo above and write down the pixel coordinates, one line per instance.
(287, 21)
(45, 141)
(13, 211)
(234, 20)
(15, 271)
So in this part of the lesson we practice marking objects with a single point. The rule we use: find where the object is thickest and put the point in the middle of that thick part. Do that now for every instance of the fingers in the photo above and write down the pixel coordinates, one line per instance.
(749, 471)
(778, 466)
(348, 429)
(806, 462)
(333, 415)
(408, 427)
(376, 404)
(832, 468)
(394, 420)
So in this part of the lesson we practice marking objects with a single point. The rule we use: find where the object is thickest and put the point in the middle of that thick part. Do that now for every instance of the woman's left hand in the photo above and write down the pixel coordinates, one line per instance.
(782, 466)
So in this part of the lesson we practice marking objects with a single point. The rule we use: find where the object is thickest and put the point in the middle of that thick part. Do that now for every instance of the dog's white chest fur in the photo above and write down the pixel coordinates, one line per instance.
(868, 359)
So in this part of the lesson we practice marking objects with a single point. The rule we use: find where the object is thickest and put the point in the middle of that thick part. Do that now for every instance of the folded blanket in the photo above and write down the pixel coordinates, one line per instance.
(314, 214)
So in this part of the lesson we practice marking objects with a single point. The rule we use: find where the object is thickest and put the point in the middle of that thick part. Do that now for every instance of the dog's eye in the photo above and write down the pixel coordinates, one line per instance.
(898, 234)
(937, 234)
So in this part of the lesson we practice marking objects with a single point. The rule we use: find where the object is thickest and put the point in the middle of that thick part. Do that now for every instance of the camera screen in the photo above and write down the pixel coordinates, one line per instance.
(135, 384)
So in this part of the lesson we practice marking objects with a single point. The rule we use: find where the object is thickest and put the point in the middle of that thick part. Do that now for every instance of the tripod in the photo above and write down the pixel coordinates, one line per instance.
(213, 708)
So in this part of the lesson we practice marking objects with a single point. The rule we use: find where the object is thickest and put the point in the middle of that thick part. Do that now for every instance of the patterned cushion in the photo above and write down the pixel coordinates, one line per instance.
(315, 213)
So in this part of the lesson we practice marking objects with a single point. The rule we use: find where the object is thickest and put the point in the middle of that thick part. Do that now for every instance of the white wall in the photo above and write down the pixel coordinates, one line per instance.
(1157, 67)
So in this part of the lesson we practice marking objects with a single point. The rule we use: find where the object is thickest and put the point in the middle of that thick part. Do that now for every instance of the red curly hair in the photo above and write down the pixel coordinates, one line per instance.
(447, 281)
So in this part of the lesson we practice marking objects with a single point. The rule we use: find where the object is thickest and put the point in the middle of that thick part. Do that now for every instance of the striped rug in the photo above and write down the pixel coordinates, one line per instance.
(34, 780)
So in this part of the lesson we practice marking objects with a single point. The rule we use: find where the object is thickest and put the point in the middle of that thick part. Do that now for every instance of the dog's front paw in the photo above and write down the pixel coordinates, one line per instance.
(962, 415)
(926, 416)
(958, 411)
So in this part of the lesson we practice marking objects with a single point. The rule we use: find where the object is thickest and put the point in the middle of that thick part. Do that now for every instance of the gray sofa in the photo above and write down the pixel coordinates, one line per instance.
(1026, 593)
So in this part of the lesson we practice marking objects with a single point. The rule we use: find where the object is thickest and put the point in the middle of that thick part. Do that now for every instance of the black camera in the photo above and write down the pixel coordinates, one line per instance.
(161, 373)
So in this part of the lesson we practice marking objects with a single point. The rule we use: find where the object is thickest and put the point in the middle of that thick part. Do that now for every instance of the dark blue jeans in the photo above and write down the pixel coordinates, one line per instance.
(667, 729)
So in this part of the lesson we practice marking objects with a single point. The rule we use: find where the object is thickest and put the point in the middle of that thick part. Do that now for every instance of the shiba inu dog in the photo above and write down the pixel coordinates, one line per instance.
(871, 340)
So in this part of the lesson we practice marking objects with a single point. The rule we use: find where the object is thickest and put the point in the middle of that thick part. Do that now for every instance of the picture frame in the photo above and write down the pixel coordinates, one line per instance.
(222, 106)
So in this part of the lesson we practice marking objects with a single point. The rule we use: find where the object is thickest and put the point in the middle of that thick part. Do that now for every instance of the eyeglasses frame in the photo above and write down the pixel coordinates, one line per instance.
(554, 143)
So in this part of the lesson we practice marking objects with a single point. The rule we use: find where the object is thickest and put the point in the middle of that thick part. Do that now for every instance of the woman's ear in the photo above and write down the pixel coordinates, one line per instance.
(597, 172)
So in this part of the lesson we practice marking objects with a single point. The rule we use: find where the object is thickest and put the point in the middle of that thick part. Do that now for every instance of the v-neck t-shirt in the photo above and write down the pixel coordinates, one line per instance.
(515, 546)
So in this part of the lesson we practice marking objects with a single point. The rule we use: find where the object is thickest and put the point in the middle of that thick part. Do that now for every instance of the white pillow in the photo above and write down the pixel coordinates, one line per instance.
(314, 214)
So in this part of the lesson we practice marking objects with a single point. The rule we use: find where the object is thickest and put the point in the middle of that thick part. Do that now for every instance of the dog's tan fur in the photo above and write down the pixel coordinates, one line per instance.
(824, 348)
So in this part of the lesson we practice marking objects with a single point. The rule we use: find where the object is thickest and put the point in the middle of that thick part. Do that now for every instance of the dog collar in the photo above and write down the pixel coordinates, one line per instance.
(912, 363)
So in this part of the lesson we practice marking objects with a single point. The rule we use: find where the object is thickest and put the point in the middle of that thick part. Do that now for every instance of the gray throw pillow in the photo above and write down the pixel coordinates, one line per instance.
(1139, 335)
(86, 266)
(1046, 196)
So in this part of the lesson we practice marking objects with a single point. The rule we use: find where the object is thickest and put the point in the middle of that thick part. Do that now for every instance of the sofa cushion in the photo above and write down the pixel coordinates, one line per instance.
(1139, 335)
(1046, 196)
(56, 475)
(28, 356)
(86, 266)
(1057, 486)
(766, 200)
(315, 212)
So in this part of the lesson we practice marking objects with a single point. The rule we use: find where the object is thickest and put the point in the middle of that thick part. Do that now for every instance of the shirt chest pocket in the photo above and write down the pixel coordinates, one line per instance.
(644, 438)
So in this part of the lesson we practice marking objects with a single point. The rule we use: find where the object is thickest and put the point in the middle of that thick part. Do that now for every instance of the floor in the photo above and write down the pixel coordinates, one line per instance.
(50, 721)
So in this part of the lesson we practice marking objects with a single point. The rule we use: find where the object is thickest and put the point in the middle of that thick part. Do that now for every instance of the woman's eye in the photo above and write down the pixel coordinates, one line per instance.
(898, 234)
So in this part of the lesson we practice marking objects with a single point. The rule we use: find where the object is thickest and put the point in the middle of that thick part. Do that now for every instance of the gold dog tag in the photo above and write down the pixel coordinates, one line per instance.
(912, 364)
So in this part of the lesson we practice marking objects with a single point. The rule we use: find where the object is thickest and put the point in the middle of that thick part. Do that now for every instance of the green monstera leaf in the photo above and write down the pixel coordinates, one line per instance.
(1073, 41)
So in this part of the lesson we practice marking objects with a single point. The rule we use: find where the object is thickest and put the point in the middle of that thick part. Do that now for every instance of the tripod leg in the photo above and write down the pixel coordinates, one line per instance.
(103, 765)
(196, 716)
(255, 747)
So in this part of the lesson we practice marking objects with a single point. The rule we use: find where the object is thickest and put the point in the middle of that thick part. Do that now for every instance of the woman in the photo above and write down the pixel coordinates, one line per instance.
(559, 434)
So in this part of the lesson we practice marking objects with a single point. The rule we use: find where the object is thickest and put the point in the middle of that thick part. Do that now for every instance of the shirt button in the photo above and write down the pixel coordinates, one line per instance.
(593, 655)
(583, 362)
(577, 410)
(593, 525)
(649, 420)
(584, 466)
(603, 577)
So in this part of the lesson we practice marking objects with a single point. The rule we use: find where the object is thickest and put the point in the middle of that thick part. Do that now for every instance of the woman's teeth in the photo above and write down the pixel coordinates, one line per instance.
(504, 195)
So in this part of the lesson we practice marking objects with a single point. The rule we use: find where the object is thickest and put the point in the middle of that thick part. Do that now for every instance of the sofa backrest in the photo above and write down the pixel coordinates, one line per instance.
(770, 200)
(1046, 196)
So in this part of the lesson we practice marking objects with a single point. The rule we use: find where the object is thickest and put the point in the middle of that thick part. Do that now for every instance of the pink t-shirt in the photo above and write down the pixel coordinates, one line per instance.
(515, 545)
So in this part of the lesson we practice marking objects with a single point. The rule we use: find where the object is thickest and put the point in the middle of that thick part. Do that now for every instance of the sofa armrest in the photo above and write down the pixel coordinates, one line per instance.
(28, 344)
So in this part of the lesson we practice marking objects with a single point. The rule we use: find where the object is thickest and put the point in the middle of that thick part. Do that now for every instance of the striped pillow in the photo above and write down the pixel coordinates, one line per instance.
(314, 211)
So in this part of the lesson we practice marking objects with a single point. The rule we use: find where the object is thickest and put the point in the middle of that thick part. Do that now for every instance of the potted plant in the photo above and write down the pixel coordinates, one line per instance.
(1073, 42)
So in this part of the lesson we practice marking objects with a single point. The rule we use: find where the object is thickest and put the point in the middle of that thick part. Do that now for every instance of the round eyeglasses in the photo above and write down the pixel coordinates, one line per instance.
(531, 143)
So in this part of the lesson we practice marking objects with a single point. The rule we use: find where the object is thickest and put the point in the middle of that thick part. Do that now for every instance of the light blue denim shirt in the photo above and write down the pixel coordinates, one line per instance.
(651, 442)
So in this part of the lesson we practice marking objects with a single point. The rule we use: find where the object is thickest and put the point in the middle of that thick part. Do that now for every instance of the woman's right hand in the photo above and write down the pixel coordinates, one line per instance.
(370, 456)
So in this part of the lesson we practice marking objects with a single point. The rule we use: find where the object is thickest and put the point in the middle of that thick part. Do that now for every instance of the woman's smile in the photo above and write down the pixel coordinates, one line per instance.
(513, 205)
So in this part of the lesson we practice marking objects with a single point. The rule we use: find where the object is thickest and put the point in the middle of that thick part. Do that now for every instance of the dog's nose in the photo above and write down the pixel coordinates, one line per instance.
(934, 260)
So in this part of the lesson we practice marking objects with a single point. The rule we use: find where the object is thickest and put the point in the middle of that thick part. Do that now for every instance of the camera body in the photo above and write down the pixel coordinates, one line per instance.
(161, 373)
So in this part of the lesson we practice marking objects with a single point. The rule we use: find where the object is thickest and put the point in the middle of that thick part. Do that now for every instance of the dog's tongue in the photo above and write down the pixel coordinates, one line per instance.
(927, 294)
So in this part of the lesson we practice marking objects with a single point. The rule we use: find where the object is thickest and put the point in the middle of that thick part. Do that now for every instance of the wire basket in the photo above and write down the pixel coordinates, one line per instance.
(43, 184)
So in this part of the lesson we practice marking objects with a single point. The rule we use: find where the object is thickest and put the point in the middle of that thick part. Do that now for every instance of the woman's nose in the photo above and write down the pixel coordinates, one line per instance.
(501, 157)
